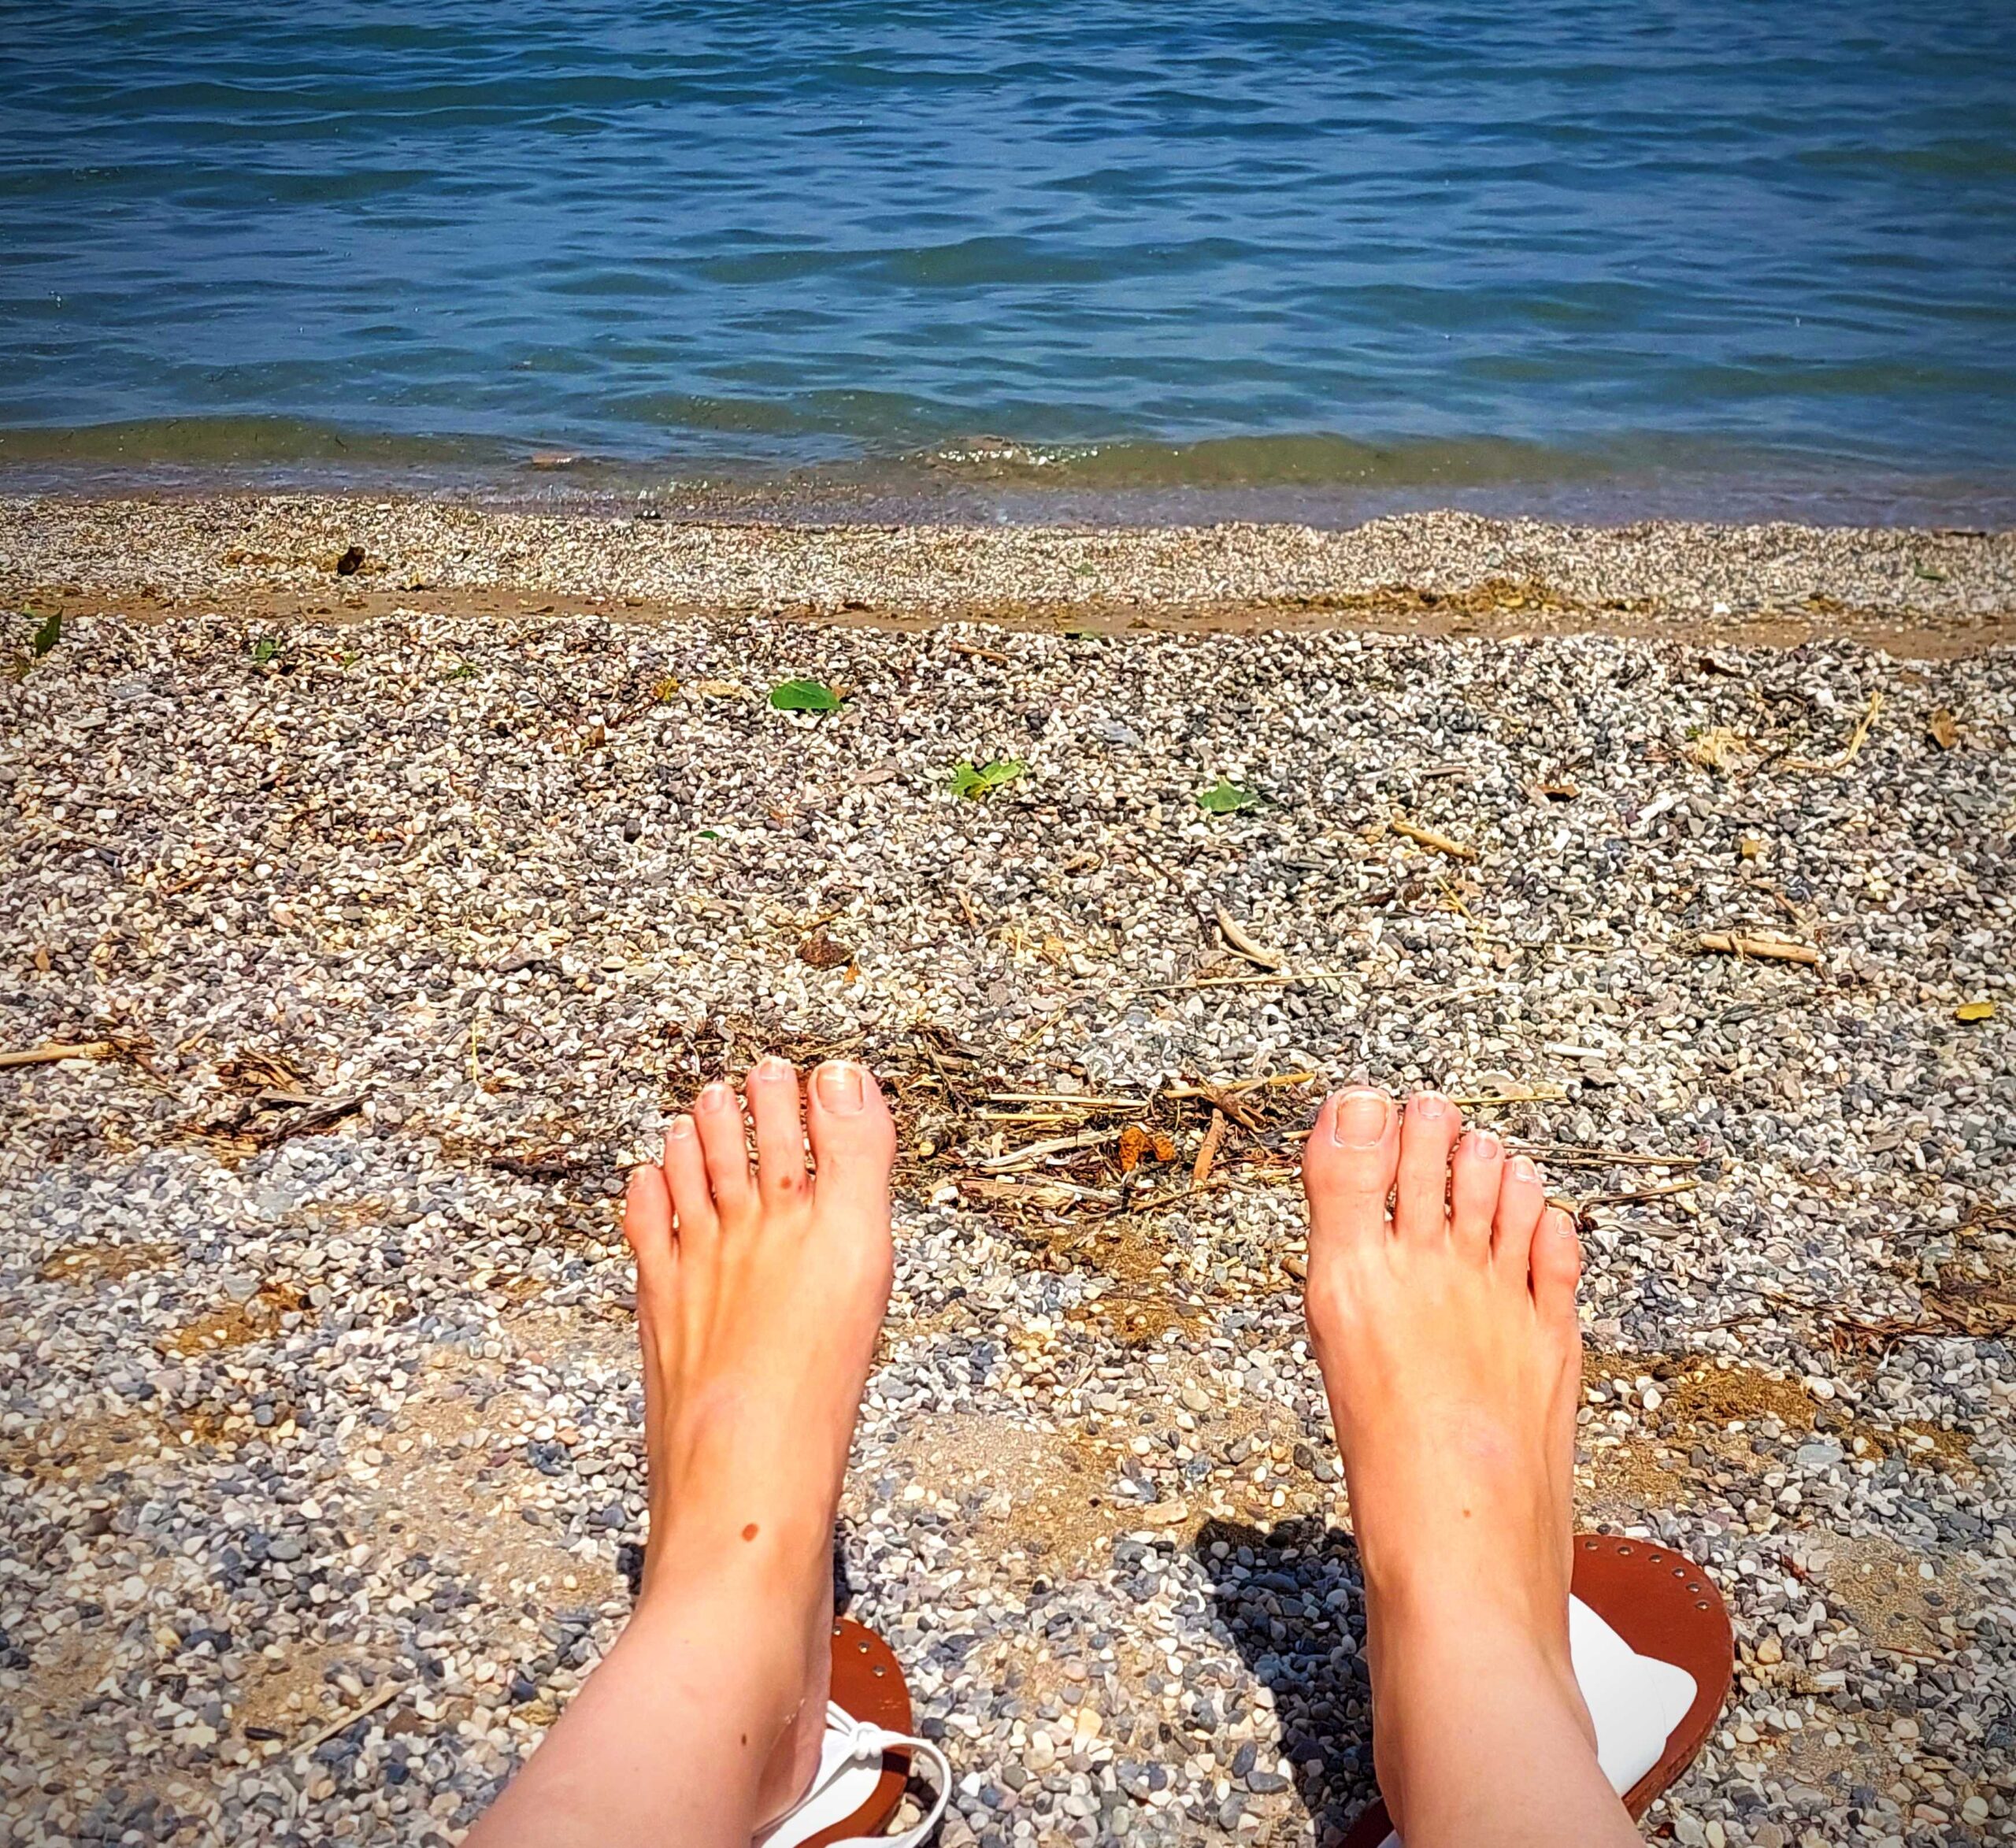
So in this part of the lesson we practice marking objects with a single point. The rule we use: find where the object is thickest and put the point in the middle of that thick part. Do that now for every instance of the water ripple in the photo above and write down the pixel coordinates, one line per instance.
(1765, 246)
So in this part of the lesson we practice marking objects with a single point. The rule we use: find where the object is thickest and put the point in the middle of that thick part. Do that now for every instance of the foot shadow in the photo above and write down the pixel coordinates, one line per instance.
(1291, 1597)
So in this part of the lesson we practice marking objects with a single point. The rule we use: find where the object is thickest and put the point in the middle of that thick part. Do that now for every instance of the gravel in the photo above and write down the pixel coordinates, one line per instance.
(1921, 591)
(387, 942)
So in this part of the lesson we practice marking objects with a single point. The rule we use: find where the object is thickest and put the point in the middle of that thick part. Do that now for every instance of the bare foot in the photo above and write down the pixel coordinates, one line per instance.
(1445, 1326)
(759, 1294)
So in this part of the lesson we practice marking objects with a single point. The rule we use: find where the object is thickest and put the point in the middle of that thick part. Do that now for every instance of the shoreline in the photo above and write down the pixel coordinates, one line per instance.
(1928, 593)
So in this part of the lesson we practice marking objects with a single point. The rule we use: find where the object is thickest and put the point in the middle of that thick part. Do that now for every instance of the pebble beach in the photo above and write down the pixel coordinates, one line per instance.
(375, 875)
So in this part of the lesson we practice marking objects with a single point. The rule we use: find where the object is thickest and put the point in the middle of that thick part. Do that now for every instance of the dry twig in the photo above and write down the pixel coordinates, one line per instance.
(1766, 948)
(1226, 1098)
(1254, 952)
(383, 1698)
(1035, 1152)
(1283, 978)
(1653, 1192)
(1427, 837)
(1065, 1100)
(1519, 1093)
(1569, 1155)
(1846, 754)
(1201, 1171)
(1239, 1087)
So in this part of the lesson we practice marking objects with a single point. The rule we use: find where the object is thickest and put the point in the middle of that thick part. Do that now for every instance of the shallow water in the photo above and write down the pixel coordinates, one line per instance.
(1718, 255)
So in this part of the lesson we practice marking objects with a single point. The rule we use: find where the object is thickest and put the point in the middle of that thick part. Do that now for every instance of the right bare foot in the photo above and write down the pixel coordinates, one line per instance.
(758, 1299)
(1446, 1330)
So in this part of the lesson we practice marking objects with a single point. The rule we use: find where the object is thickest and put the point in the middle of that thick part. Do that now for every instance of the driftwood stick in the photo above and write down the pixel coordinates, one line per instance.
(1766, 948)
(1254, 952)
(56, 1051)
(1427, 837)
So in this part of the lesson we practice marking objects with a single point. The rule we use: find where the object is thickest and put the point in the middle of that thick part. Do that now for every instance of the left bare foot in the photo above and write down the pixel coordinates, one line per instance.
(759, 1294)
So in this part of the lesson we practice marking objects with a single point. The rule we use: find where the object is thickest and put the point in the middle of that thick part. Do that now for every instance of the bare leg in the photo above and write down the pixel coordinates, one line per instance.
(1447, 1334)
(758, 1299)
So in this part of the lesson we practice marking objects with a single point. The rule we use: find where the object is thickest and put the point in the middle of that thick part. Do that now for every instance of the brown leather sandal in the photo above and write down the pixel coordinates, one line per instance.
(867, 1755)
(1663, 1606)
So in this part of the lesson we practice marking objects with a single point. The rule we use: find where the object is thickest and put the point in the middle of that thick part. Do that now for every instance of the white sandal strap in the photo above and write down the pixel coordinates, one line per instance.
(850, 1765)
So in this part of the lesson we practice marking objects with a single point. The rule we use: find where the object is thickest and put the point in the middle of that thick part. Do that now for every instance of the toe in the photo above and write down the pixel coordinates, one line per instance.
(1475, 1173)
(780, 1176)
(1420, 1194)
(647, 1226)
(1521, 1199)
(853, 1139)
(718, 1119)
(1556, 1264)
(686, 1174)
(1347, 1164)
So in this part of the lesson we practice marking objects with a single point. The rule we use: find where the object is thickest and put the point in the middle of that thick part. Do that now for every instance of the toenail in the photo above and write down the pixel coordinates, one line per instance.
(1485, 1146)
(1359, 1119)
(680, 1128)
(771, 1066)
(1428, 1105)
(1523, 1169)
(713, 1097)
(839, 1082)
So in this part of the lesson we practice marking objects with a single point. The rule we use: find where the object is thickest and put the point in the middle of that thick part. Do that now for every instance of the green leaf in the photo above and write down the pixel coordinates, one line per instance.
(49, 631)
(709, 833)
(463, 671)
(804, 696)
(977, 782)
(265, 649)
(1225, 798)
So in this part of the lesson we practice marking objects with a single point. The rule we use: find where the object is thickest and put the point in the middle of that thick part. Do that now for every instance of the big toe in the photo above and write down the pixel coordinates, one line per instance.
(853, 1136)
(1347, 1166)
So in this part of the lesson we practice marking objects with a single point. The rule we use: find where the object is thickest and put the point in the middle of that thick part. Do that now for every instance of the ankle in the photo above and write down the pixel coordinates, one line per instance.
(1428, 1623)
(732, 1617)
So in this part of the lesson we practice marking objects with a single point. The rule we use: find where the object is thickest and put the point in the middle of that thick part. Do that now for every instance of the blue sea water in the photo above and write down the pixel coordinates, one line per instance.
(1732, 256)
